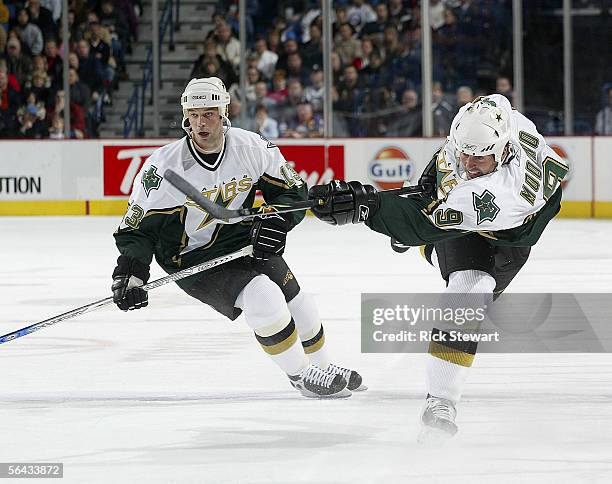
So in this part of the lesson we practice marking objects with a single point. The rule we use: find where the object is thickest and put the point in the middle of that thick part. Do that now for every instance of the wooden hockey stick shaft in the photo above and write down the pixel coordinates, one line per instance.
(238, 215)
(147, 287)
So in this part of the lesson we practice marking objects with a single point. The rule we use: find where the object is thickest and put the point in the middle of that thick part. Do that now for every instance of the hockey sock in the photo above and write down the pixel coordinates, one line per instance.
(306, 316)
(267, 315)
(448, 361)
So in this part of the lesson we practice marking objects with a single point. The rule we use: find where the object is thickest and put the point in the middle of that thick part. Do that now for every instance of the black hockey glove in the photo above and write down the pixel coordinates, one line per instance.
(127, 277)
(341, 203)
(269, 236)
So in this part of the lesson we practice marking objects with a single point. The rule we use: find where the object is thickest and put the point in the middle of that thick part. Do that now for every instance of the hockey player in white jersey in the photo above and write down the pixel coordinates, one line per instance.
(228, 165)
(487, 195)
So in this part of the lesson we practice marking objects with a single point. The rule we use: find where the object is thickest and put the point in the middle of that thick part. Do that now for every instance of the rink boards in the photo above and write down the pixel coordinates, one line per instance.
(94, 177)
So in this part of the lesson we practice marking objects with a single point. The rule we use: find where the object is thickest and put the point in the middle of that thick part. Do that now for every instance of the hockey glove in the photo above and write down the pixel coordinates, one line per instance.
(341, 203)
(269, 236)
(127, 277)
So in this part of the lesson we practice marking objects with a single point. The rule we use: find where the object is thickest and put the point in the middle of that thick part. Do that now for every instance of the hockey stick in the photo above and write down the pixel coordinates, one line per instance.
(248, 250)
(237, 215)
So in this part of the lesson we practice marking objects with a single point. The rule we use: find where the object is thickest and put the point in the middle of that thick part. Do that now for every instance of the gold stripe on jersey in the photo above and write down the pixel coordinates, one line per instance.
(315, 343)
(274, 181)
(279, 342)
(167, 211)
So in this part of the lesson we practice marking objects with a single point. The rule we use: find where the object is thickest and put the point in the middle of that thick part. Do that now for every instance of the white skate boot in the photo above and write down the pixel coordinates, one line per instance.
(437, 420)
(314, 382)
(355, 383)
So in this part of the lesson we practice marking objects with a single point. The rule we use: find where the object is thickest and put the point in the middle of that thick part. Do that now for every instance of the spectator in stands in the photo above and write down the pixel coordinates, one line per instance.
(55, 64)
(99, 41)
(464, 95)
(408, 120)
(42, 18)
(375, 75)
(266, 59)
(79, 92)
(304, 124)
(375, 29)
(225, 71)
(228, 46)
(442, 111)
(347, 46)
(289, 47)
(312, 51)
(31, 122)
(90, 68)
(504, 86)
(9, 103)
(279, 86)
(359, 14)
(350, 99)
(261, 98)
(367, 47)
(116, 23)
(603, 120)
(337, 66)
(315, 92)
(40, 87)
(18, 63)
(296, 69)
(274, 41)
(77, 115)
(288, 107)
(29, 34)
(340, 18)
(12, 80)
(264, 124)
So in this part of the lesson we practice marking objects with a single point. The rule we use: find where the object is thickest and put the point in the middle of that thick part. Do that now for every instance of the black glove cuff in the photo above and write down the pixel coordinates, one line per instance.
(128, 266)
(366, 201)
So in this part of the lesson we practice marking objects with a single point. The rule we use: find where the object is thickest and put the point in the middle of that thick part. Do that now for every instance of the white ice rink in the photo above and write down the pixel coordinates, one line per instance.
(176, 393)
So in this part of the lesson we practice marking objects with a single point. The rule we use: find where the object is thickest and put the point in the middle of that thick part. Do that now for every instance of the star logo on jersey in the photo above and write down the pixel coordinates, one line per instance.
(151, 180)
(217, 193)
(485, 206)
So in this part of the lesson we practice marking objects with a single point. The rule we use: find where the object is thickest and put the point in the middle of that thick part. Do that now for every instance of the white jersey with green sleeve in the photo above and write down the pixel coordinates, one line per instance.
(161, 219)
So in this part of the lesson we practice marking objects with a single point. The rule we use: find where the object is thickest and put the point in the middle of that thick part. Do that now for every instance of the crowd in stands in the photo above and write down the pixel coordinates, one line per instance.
(376, 63)
(32, 56)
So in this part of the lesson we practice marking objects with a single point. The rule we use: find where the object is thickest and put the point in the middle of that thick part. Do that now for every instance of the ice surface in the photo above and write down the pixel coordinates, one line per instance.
(176, 393)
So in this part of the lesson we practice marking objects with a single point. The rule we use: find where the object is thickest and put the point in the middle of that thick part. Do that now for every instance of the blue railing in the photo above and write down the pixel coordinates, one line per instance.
(133, 120)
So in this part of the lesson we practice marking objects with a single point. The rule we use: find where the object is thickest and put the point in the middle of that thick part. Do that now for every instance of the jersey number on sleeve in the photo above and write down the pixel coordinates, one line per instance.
(554, 172)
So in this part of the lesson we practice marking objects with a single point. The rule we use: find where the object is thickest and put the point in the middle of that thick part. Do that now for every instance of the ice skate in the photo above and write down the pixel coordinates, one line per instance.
(355, 383)
(437, 420)
(314, 382)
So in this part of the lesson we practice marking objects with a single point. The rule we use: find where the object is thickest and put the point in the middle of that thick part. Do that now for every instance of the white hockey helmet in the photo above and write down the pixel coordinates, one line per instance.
(207, 92)
(483, 129)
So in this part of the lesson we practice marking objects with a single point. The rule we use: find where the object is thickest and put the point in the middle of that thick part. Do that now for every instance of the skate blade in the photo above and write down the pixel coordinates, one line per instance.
(360, 388)
(341, 394)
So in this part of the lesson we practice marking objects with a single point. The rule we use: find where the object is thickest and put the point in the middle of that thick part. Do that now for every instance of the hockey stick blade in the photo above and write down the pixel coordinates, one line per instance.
(248, 250)
(226, 214)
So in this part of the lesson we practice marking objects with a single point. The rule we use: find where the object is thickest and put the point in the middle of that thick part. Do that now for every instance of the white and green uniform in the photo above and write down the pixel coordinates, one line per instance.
(161, 221)
(510, 206)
